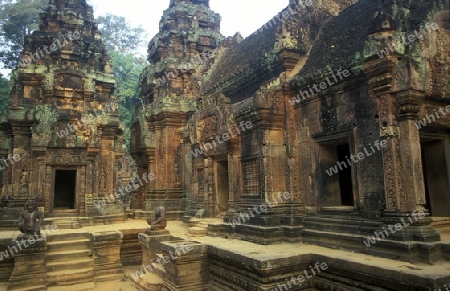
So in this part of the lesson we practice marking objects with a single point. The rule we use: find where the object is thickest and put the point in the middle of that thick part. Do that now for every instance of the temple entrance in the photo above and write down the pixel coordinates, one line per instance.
(65, 189)
(436, 177)
(336, 174)
(222, 186)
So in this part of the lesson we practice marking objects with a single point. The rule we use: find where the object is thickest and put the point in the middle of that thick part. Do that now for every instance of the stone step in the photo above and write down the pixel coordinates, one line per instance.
(55, 256)
(29, 288)
(148, 282)
(76, 287)
(67, 237)
(70, 277)
(66, 223)
(198, 231)
(197, 222)
(74, 245)
(67, 213)
(69, 265)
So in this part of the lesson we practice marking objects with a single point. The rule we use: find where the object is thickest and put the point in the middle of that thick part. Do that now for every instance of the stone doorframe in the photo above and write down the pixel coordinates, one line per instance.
(53, 185)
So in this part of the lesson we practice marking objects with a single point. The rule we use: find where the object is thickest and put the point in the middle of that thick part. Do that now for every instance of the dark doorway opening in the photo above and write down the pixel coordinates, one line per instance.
(436, 177)
(222, 186)
(65, 186)
(336, 174)
(345, 176)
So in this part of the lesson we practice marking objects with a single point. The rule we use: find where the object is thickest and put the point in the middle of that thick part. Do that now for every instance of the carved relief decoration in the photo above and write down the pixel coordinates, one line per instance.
(42, 133)
(66, 157)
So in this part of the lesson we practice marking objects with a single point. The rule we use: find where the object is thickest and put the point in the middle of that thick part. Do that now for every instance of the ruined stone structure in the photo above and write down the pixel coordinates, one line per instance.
(62, 124)
(189, 34)
(327, 126)
(263, 120)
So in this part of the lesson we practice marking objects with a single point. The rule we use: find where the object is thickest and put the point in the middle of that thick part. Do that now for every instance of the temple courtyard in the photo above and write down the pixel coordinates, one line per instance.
(337, 260)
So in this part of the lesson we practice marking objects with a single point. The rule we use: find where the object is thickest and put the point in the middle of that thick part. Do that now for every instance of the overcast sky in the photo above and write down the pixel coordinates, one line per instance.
(245, 16)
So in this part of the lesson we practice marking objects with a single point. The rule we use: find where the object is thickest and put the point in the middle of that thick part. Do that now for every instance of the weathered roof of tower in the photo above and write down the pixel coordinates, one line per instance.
(358, 33)
(175, 2)
(243, 68)
(341, 40)
(245, 65)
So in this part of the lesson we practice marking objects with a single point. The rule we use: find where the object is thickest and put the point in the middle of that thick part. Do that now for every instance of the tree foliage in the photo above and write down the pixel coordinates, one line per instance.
(123, 43)
(17, 19)
(4, 93)
(118, 35)
(127, 68)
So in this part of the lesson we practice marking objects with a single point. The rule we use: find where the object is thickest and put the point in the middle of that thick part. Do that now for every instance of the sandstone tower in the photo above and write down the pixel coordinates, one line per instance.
(178, 54)
(62, 124)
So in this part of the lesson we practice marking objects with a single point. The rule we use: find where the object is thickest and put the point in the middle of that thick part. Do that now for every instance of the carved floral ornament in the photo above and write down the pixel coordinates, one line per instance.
(206, 124)
(66, 157)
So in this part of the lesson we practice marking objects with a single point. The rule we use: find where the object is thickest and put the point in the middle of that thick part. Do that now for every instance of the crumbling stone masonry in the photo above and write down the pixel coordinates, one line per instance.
(62, 120)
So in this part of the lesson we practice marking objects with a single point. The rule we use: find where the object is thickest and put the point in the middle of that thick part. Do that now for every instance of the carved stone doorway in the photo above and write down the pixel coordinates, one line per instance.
(64, 189)
(222, 186)
(436, 176)
(336, 186)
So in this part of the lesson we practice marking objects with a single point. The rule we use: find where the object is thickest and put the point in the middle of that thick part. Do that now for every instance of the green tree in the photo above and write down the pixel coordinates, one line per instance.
(17, 19)
(127, 68)
(123, 43)
(119, 35)
(4, 93)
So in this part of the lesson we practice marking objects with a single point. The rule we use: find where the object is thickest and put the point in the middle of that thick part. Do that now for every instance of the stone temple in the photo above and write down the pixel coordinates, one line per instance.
(312, 155)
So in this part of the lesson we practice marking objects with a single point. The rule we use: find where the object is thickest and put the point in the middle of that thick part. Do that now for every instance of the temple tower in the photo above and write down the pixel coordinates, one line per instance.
(62, 125)
(179, 54)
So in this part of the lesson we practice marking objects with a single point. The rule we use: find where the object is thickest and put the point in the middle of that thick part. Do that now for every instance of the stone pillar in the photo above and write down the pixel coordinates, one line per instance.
(106, 254)
(235, 182)
(29, 263)
(151, 168)
(81, 199)
(187, 266)
(401, 158)
(89, 176)
(150, 243)
(403, 167)
(41, 177)
(410, 148)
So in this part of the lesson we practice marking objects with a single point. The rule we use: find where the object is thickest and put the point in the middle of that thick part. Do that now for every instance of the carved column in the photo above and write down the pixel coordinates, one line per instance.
(402, 166)
(151, 168)
(410, 148)
(235, 182)
(81, 199)
(89, 176)
(209, 185)
(48, 199)
(41, 177)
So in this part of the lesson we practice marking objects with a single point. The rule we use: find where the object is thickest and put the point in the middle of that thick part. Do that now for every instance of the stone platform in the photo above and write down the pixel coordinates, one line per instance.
(216, 263)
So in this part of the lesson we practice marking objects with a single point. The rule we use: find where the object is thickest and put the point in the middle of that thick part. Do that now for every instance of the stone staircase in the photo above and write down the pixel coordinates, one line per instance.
(69, 263)
(65, 222)
(197, 227)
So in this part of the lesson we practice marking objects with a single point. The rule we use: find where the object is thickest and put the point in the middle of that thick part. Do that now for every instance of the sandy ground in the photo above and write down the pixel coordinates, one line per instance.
(259, 252)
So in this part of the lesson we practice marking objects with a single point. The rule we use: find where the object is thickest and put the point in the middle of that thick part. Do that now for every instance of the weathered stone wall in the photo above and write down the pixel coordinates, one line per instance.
(63, 112)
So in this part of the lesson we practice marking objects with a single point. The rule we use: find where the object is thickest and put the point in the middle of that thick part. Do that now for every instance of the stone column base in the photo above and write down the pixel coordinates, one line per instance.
(409, 226)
